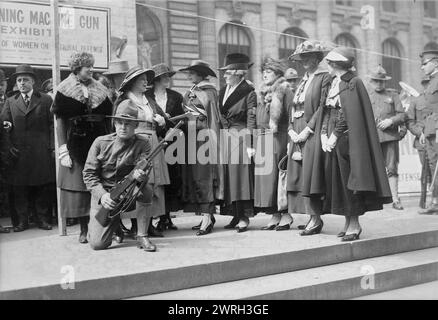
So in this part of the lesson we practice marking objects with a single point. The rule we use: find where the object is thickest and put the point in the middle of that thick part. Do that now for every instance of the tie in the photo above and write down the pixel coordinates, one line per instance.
(26, 100)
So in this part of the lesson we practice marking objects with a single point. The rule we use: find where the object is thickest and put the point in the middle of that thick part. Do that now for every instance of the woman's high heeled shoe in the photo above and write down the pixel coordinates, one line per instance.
(352, 236)
(270, 227)
(314, 230)
(209, 228)
(341, 234)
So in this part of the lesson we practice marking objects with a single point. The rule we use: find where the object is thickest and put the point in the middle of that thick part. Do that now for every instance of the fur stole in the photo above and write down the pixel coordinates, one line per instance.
(272, 98)
(94, 91)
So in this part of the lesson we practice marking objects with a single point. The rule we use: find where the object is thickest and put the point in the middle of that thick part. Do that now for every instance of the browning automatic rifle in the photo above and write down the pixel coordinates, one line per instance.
(425, 177)
(125, 192)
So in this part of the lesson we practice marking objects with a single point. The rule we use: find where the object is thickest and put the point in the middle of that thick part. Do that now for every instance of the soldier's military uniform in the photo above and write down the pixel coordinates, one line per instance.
(387, 105)
(431, 125)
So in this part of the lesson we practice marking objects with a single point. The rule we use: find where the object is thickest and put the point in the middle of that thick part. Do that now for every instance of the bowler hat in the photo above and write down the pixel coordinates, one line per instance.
(127, 110)
(2, 76)
(162, 69)
(134, 73)
(200, 66)
(117, 67)
(291, 74)
(24, 69)
(307, 47)
(236, 61)
(379, 74)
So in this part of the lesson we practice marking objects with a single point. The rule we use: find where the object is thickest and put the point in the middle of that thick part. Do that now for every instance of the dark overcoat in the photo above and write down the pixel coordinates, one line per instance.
(32, 135)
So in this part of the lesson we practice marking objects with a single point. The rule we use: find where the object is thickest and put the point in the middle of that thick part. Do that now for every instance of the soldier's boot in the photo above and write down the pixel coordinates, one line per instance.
(393, 184)
(83, 221)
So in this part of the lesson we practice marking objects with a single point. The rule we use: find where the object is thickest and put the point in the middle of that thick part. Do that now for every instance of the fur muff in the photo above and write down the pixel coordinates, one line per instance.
(272, 97)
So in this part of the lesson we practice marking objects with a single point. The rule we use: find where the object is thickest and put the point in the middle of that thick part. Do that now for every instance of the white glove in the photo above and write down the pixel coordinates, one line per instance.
(288, 147)
(7, 126)
(304, 135)
(251, 152)
(64, 157)
(293, 135)
(331, 143)
(159, 120)
(273, 126)
(324, 140)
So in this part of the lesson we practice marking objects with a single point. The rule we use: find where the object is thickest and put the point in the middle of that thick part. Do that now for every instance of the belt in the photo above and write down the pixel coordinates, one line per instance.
(89, 118)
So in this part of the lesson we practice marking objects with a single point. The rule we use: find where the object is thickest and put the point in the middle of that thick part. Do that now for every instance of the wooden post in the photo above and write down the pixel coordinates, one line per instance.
(56, 77)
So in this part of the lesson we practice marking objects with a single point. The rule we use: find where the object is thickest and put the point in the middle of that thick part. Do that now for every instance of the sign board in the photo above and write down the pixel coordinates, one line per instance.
(25, 33)
(409, 169)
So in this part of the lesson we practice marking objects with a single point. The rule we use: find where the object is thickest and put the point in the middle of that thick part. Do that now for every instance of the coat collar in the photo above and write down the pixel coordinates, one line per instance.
(34, 101)
(347, 76)
(241, 91)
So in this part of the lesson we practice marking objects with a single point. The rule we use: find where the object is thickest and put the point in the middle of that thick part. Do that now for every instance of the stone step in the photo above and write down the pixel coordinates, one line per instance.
(118, 274)
(339, 281)
(424, 291)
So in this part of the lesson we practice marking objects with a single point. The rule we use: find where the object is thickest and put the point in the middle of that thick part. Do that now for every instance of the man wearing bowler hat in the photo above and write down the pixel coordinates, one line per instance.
(389, 114)
(429, 65)
(27, 117)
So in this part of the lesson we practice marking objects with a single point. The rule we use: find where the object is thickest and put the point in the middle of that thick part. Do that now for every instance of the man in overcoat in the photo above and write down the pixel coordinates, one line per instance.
(27, 117)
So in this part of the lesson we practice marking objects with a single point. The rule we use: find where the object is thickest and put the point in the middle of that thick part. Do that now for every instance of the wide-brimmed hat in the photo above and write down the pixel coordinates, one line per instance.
(379, 74)
(236, 61)
(2, 76)
(308, 47)
(117, 67)
(126, 110)
(291, 74)
(277, 66)
(200, 66)
(343, 55)
(134, 73)
(162, 69)
(24, 69)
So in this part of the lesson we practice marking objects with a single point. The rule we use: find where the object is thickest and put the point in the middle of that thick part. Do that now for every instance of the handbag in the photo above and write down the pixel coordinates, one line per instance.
(282, 184)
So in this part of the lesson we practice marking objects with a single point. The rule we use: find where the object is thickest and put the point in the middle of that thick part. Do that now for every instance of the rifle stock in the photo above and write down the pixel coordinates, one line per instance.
(118, 192)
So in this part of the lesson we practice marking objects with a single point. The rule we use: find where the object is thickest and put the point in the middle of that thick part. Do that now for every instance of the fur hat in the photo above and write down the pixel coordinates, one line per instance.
(81, 59)
(275, 65)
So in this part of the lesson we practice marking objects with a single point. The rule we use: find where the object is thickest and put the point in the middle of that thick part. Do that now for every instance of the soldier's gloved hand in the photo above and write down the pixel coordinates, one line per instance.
(384, 124)
(159, 120)
(64, 157)
(139, 175)
(422, 139)
(107, 202)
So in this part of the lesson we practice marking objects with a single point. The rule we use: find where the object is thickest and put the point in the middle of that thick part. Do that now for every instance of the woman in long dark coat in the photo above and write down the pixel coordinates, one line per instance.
(309, 97)
(170, 102)
(355, 177)
(203, 182)
(238, 103)
(80, 106)
(271, 142)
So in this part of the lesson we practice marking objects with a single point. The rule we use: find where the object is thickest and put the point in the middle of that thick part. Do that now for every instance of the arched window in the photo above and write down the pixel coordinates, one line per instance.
(149, 38)
(287, 45)
(431, 46)
(232, 39)
(347, 40)
(390, 63)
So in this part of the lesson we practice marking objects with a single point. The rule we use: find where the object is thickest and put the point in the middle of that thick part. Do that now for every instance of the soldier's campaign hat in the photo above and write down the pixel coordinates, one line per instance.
(291, 74)
(2, 76)
(134, 73)
(127, 110)
(379, 74)
(117, 67)
(162, 69)
(201, 67)
(307, 47)
(24, 69)
(237, 61)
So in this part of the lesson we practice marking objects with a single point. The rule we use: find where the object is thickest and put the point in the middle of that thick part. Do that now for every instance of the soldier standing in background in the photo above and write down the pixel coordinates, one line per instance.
(429, 65)
(389, 115)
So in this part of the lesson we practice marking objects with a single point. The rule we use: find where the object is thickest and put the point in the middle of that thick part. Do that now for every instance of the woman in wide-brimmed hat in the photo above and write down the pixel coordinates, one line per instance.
(80, 105)
(202, 182)
(271, 119)
(170, 102)
(237, 104)
(311, 90)
(355, 180)
(137, 80)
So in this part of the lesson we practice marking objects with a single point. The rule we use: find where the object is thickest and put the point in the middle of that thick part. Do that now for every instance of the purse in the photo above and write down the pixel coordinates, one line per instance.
(282, 184)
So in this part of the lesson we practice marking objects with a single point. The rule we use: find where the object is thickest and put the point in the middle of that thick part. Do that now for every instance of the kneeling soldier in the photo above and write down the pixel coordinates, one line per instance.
(110, 159)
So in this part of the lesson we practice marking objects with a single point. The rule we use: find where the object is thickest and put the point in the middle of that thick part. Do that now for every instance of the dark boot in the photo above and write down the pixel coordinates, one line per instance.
(83, 221)
(153, 232)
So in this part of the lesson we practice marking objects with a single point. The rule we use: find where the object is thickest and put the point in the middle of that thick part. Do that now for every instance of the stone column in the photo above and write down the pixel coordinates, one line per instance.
(324, 21)
(207, 32)
(269, 21)
(416, 44)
